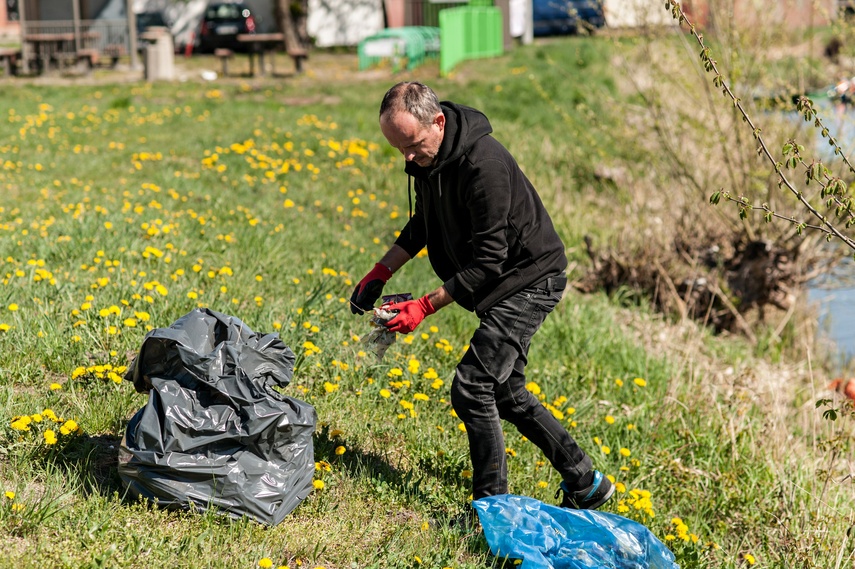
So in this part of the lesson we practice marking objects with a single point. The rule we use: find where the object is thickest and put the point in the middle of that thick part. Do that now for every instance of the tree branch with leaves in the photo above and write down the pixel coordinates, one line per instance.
(834, 192)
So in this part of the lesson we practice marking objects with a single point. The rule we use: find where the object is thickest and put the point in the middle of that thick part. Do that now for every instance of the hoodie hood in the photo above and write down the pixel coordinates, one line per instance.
(463, 127)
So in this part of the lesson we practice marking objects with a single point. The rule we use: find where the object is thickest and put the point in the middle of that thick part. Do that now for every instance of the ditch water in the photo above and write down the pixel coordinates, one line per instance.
(834, 295)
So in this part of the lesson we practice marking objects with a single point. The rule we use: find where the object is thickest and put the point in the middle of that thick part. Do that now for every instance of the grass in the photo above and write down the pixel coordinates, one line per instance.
(126, 206)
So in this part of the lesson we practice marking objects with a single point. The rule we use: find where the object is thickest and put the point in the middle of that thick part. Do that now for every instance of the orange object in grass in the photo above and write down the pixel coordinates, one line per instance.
(844, 386)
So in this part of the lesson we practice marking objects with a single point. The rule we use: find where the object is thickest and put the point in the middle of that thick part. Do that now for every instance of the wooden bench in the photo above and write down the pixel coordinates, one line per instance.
(298, 54)
(88, 56)
(224, 55)
(10, 57)
(114, 52)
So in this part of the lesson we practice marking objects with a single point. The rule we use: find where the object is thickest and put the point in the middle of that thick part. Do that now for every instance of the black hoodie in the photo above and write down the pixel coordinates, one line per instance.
(487, 233)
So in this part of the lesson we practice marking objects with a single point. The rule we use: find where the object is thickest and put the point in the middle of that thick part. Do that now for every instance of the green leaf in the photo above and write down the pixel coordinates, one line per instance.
(830, 414)
(715, 198)
(788, 147)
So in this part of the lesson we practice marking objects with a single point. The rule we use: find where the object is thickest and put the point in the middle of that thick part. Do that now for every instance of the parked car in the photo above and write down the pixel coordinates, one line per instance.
(221, 24)
(557, 17)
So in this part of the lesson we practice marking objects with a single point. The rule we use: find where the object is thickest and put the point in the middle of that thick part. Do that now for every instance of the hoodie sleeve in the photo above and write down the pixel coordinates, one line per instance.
(413, 237)
(489, 204)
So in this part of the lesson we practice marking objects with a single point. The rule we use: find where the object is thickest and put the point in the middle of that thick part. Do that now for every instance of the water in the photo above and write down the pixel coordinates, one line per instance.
(837, 317)
(835, 295)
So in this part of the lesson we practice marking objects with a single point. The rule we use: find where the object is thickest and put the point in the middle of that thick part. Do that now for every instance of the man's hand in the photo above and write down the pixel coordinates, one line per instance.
(369, 289)
(410, 314)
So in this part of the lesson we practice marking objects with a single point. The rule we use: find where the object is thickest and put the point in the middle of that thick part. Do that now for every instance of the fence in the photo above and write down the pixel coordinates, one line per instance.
(103, 35)
(426, 12)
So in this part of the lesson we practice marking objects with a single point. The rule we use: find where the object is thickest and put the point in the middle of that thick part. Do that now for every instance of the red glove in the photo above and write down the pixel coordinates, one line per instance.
(369, 289)
(410, 314)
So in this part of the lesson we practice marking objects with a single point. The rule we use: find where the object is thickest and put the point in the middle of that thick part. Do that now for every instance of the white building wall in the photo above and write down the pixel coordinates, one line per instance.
(637, 13)
(343, 22)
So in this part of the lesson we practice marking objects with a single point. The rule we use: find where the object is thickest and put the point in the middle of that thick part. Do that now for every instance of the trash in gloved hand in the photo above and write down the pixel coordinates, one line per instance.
(549, 537)
(380, 337)
(215, 433)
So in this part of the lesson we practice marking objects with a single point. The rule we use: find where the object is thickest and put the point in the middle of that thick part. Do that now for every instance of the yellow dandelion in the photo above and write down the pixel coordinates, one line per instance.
(318, 484)
(265, 563)
(639, 382)
(340, 450)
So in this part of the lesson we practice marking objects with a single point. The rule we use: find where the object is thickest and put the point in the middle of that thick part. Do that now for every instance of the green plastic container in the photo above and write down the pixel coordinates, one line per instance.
(469, 32)
(408, 44)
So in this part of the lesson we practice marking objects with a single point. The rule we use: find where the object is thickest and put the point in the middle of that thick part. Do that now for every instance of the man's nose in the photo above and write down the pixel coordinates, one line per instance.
(408, 156)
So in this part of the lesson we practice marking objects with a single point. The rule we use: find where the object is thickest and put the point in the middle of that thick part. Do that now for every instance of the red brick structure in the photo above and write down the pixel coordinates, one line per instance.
(788, 14)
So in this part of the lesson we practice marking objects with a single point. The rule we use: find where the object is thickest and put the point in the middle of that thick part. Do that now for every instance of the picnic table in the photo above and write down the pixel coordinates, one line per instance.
(259, 44)
(58, 47)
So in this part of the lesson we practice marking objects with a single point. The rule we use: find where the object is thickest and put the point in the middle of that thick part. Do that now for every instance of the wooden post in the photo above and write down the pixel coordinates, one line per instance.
(132, 34)
(75, 14)
(22, 22)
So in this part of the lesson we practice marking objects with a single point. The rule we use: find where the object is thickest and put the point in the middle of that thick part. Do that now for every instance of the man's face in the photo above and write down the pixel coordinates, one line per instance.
(417, 142)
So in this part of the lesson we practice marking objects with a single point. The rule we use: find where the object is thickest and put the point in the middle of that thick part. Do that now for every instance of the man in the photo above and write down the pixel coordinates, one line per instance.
(492, 243)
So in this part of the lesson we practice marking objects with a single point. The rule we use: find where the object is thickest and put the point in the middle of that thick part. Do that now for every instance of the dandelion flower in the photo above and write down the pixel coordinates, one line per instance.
(625, 452)
(50, 437)
(749, 559)
(55, 386)
(13, 307)
(640, 382)
(318, 484)
(610, 420)
(9, 495)
(340, 450)
(265, 563)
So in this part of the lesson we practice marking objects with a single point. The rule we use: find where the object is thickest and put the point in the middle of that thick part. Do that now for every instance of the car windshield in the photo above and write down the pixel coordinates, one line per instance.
(224, 12)
(146, 20)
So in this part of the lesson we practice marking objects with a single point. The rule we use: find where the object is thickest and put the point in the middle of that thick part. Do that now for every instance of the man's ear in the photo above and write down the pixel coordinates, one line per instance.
(439, 120)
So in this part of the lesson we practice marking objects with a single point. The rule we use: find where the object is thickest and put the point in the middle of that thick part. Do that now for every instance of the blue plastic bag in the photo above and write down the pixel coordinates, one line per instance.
(549, 537)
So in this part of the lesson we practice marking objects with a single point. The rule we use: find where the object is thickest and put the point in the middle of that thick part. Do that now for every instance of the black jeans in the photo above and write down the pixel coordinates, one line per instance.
(489, 385)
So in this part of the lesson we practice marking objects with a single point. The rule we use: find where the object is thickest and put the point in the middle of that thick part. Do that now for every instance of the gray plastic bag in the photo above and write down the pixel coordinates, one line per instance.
(215, 434)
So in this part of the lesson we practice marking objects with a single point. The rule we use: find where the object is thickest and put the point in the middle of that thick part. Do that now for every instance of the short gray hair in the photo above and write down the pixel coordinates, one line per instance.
(413, 97)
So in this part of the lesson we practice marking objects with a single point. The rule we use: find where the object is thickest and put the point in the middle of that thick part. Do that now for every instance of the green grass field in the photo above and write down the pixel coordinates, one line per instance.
(125, 206)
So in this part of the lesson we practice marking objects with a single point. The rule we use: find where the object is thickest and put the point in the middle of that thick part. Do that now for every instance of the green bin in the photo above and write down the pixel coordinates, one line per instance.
(469, 32)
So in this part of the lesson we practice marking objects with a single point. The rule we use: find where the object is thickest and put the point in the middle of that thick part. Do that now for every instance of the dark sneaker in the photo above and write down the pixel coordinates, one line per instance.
(590, 498)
